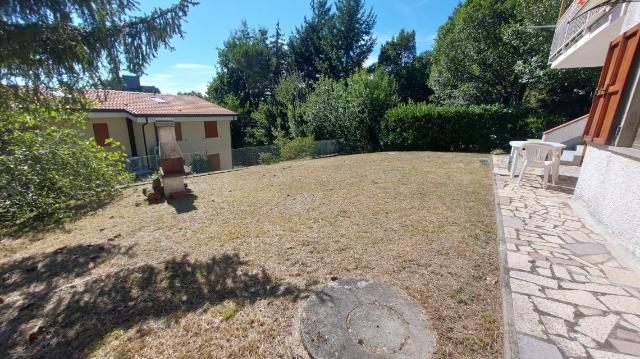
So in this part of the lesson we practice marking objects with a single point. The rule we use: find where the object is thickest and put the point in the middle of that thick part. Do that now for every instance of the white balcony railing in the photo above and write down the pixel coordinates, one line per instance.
(570, 29)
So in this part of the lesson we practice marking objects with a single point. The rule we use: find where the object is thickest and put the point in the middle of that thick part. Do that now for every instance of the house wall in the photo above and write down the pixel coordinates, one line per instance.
(194, 141)
(608, 190)
(149, 131)
(117, 131)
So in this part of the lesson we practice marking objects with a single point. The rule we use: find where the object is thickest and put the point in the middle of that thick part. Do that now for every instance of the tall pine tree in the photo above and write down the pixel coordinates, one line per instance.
(353, 36)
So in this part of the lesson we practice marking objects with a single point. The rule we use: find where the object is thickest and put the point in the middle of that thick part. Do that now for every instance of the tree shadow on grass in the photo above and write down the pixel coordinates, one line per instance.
(38, 227)
(69, 322)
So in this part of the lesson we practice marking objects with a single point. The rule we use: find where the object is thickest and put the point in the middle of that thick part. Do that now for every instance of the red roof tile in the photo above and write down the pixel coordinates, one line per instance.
(149, 104)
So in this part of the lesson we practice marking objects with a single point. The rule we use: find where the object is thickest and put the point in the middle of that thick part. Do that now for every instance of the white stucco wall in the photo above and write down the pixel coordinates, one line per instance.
(633, 16)
(608, 189)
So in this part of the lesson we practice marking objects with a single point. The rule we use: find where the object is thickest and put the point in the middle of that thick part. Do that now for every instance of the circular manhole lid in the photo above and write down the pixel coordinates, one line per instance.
(358, 318)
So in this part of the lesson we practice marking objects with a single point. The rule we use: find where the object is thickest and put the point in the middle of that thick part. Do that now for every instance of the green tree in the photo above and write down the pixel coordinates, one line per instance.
(292, 93)
(373, 95)
(411, 71)
(398, 52)
(71, 44)
(353, 37)
(489, 51)
(311, 45)
(191, 93)
(279, 55)
(245, 72)
(47, 170)
(472, 62)
(351, 110)
(328, 110)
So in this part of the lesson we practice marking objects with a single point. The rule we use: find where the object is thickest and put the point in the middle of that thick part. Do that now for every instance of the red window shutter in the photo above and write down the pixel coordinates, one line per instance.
(616, 69)
(214, 159)
(101, 133)
(178, 127)
(210, 129)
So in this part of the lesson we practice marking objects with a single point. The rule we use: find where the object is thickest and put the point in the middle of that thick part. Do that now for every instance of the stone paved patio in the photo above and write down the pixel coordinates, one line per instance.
(571, 296)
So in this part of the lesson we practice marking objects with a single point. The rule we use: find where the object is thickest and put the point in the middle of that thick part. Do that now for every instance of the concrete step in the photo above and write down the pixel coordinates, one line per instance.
(571, 158)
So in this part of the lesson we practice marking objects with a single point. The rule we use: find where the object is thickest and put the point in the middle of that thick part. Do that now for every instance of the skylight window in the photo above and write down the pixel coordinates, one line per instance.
(158, 99)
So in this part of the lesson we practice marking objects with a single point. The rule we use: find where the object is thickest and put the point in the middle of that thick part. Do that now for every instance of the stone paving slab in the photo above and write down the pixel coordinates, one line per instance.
(570, 295)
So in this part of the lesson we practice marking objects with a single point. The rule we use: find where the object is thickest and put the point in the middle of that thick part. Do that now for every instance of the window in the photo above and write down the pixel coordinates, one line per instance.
(178, 127)
(615, 73)
(210, 129)
(101, 133)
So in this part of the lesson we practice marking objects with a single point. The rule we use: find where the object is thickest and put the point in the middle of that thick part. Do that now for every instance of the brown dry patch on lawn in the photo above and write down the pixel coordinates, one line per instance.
(223, 275)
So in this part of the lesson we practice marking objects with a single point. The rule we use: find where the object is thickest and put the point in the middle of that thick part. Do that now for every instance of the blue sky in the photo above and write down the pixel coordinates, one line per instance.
(193, 63)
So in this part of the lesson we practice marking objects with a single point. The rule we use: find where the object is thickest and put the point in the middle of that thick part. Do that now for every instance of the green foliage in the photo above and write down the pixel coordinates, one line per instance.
(328, 110)
(353, 37)
(451, 128)
(472, 62)
(298, 148)
(69, 44)
(200, 164)
(398, 58)
(268, 158)
(311, 44)
(287, 150)
(191, 93)
(292, 92)
(351, 111)
(489, 53)
(48, 172)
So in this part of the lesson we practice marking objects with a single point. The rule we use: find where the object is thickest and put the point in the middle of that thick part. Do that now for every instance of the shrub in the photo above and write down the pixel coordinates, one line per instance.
(287, 150)
(452, 128)
(49, 171)
(267, 158)
(351, 110)
(298, 148)
(200, 164)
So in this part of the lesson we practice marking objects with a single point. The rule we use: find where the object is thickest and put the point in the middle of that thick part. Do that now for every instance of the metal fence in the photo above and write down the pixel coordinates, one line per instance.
(571, 28)
(143, 166)
(250, 156)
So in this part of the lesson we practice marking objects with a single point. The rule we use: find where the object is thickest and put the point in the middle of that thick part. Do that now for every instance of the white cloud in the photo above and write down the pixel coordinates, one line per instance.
(193, 67)
(156, 77)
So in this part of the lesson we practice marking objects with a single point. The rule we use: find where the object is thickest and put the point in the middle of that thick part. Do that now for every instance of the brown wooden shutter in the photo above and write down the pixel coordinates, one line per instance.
(622, 52)
(214, 159)
(101, 133)
(178, 127)
(210, 129)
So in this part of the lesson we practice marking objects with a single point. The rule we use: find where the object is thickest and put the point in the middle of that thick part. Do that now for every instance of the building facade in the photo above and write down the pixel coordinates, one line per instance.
(203, 129)
(607, 34)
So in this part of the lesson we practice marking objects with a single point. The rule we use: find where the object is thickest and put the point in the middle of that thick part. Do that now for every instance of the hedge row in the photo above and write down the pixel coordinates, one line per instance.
(457, 128)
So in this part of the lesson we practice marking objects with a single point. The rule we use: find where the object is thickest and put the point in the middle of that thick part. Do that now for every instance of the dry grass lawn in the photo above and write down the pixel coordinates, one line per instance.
(223, 276)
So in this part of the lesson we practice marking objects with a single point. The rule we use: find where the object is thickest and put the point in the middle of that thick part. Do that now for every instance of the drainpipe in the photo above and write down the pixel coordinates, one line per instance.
(144, 137)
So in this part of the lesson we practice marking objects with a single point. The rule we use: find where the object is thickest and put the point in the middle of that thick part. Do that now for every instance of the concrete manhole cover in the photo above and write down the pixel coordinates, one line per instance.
(358, 318)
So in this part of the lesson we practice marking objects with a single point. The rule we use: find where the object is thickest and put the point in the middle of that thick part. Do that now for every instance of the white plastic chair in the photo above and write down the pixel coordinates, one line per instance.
(536, 157)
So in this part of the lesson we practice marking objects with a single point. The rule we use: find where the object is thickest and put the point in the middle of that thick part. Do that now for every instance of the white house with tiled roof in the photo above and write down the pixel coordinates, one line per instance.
(130, 118)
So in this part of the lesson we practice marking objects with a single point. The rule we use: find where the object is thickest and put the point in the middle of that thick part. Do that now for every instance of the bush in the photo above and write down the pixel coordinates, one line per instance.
(351, 110)
(454, 128)
(49, 171)
(298, 148)
(200, 164)
(267, 158)
(287, 150)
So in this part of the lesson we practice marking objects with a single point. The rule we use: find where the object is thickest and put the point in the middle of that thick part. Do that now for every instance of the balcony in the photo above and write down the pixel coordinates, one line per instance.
(583, 41)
